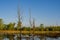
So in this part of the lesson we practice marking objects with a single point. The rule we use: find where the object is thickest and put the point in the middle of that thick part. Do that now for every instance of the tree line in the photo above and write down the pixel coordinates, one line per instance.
(11, 26)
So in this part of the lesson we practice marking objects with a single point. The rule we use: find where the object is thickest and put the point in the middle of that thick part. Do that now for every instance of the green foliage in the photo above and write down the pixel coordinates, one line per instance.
(26, 28)
(1, 24)
(19, 25)
(37, 29)
(10, 26)
(41, 27)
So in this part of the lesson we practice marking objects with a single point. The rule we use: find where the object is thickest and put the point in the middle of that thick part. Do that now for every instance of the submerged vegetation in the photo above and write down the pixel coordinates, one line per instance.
(11, 26)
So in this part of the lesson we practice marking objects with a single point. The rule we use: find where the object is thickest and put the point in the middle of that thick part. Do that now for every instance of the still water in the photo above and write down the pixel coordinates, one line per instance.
(36, 38)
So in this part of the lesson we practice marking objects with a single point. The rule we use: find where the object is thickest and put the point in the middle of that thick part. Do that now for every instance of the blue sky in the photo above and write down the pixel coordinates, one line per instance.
(44, 11)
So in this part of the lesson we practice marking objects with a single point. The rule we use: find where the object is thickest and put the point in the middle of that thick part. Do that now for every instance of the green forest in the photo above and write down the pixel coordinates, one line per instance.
(11, 26)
